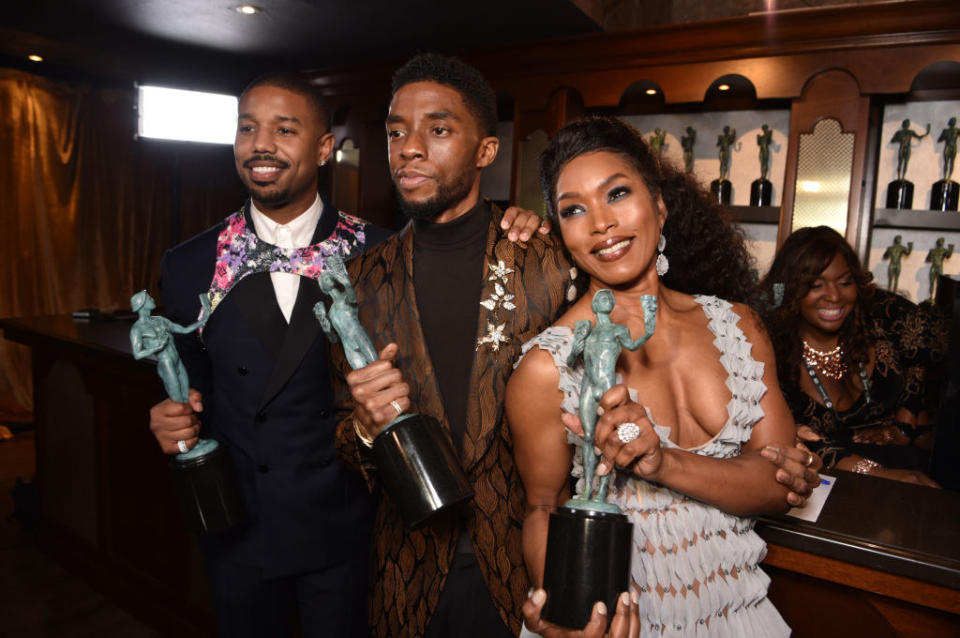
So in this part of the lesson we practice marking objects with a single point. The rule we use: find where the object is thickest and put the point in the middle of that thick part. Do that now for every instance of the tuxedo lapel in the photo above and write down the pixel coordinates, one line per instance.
(297, 338)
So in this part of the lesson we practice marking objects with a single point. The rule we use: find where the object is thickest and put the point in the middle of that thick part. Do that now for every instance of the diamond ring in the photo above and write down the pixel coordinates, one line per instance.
(396, 406)
(182, 446)
(627, 432)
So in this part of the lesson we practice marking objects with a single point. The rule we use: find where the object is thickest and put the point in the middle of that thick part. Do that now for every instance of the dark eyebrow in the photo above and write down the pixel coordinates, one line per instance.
(279, 118)
(442, 115)
(601, 186)
(394, 119)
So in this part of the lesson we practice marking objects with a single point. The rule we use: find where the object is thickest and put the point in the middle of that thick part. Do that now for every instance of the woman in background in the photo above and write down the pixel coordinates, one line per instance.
(850, 358)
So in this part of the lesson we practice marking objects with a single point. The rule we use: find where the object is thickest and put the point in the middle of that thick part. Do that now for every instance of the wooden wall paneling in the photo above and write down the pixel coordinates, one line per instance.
(365, 114)
(831, 94)
(785, 33)
(878, 71)
(563, 105)
(869, 182)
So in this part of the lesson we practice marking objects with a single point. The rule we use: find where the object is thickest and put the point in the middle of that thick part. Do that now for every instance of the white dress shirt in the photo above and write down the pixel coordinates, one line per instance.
(296, 234)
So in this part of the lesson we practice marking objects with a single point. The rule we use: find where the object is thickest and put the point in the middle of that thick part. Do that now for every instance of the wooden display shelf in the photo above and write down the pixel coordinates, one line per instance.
(756, 214)
(919, 219)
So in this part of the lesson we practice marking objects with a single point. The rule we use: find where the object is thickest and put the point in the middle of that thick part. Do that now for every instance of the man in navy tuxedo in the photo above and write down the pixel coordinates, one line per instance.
(260, 378)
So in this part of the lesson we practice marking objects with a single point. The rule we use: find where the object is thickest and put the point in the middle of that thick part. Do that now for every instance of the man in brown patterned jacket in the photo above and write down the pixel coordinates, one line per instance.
(449, 300)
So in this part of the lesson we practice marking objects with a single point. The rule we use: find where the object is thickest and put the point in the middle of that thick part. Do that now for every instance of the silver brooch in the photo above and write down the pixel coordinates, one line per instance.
(499, 298)
(499, 271)
(494, 336)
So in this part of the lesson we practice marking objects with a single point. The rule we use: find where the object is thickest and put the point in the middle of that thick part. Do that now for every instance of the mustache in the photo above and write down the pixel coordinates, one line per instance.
(265, 158)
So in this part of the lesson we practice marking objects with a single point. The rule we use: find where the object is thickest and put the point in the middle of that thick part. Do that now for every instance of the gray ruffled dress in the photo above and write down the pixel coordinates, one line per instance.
(703, 577)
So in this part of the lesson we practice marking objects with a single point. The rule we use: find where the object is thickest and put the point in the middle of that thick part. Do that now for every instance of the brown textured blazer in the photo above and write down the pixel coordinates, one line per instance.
(409, 567)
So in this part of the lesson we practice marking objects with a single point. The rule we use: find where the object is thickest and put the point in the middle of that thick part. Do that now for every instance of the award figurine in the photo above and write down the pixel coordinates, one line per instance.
(761, 190)
(415, 460)
(721, 188)
(946, 192)
(589, 539)
(935, 258)
(900, 191)
(895, 252)
(657, 141)
(688, 141)
(203, 477)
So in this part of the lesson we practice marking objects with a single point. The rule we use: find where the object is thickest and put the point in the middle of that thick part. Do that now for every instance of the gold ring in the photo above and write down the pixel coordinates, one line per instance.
(809, 460)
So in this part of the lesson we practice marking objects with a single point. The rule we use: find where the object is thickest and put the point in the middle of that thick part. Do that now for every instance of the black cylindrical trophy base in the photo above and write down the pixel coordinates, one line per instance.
(588, 559)
(419, 469)
(722, 191)
(761, 192)
(900, 194)
(944, 195)
(208, 491)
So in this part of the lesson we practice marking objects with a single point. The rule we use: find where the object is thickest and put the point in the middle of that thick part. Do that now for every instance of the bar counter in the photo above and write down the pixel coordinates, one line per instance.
(883, 559)
(107, 509)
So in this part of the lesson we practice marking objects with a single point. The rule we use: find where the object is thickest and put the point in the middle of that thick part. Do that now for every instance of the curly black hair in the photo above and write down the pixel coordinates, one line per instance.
(706, 251)
(295, 84)
(805, 254)
(458, 75)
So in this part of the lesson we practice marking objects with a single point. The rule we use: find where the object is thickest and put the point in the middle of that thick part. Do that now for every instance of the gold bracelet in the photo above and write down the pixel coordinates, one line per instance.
(865, 466)
(361, 433)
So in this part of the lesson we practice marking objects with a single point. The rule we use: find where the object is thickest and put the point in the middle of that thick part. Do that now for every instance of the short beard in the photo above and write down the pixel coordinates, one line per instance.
(447, 196)
(269, 199)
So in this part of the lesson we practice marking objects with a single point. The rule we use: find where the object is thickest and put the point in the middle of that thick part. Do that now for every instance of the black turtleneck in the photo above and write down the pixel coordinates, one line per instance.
(447, 268)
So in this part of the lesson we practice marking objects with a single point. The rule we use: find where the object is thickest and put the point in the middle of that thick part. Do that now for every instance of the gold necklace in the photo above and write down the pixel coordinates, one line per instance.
(829, 363)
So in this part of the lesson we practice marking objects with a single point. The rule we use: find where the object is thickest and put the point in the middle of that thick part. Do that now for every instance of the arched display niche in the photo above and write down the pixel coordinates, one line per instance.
(835, 95)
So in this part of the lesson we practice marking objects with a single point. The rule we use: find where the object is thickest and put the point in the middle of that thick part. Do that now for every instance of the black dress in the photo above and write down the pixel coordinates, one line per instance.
(909, 340)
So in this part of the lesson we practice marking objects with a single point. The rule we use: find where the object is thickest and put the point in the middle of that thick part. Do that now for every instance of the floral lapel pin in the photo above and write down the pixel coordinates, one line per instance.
(499, 299)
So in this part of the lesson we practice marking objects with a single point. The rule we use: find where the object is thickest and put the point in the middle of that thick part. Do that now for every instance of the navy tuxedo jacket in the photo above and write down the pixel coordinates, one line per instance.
(267, 396)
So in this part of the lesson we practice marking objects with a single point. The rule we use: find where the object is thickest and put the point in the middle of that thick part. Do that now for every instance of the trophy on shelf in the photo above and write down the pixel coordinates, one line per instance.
(688, 141)
(657, 140)
(900, 191)
(945, 192)
(895, 252)
(414, 457)
(589, 539)
(721, 188)
(761, 190)
(935, 258)
(203, 476)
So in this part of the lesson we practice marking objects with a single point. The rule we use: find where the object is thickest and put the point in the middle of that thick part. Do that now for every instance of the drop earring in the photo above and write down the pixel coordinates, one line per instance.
(662, 264)
(572, 288)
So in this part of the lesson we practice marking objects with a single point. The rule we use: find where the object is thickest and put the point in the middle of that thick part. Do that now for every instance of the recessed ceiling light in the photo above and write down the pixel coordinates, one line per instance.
(723, 87)
(248, 9)
(35, 58)
(651, 91)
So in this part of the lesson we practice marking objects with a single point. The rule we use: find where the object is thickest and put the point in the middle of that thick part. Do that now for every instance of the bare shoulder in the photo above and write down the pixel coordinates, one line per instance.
(750, 322)
(755, 332)
(536, 371)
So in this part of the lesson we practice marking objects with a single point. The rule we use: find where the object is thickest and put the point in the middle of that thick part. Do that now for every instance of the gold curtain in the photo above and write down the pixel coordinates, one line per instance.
(86, 211)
